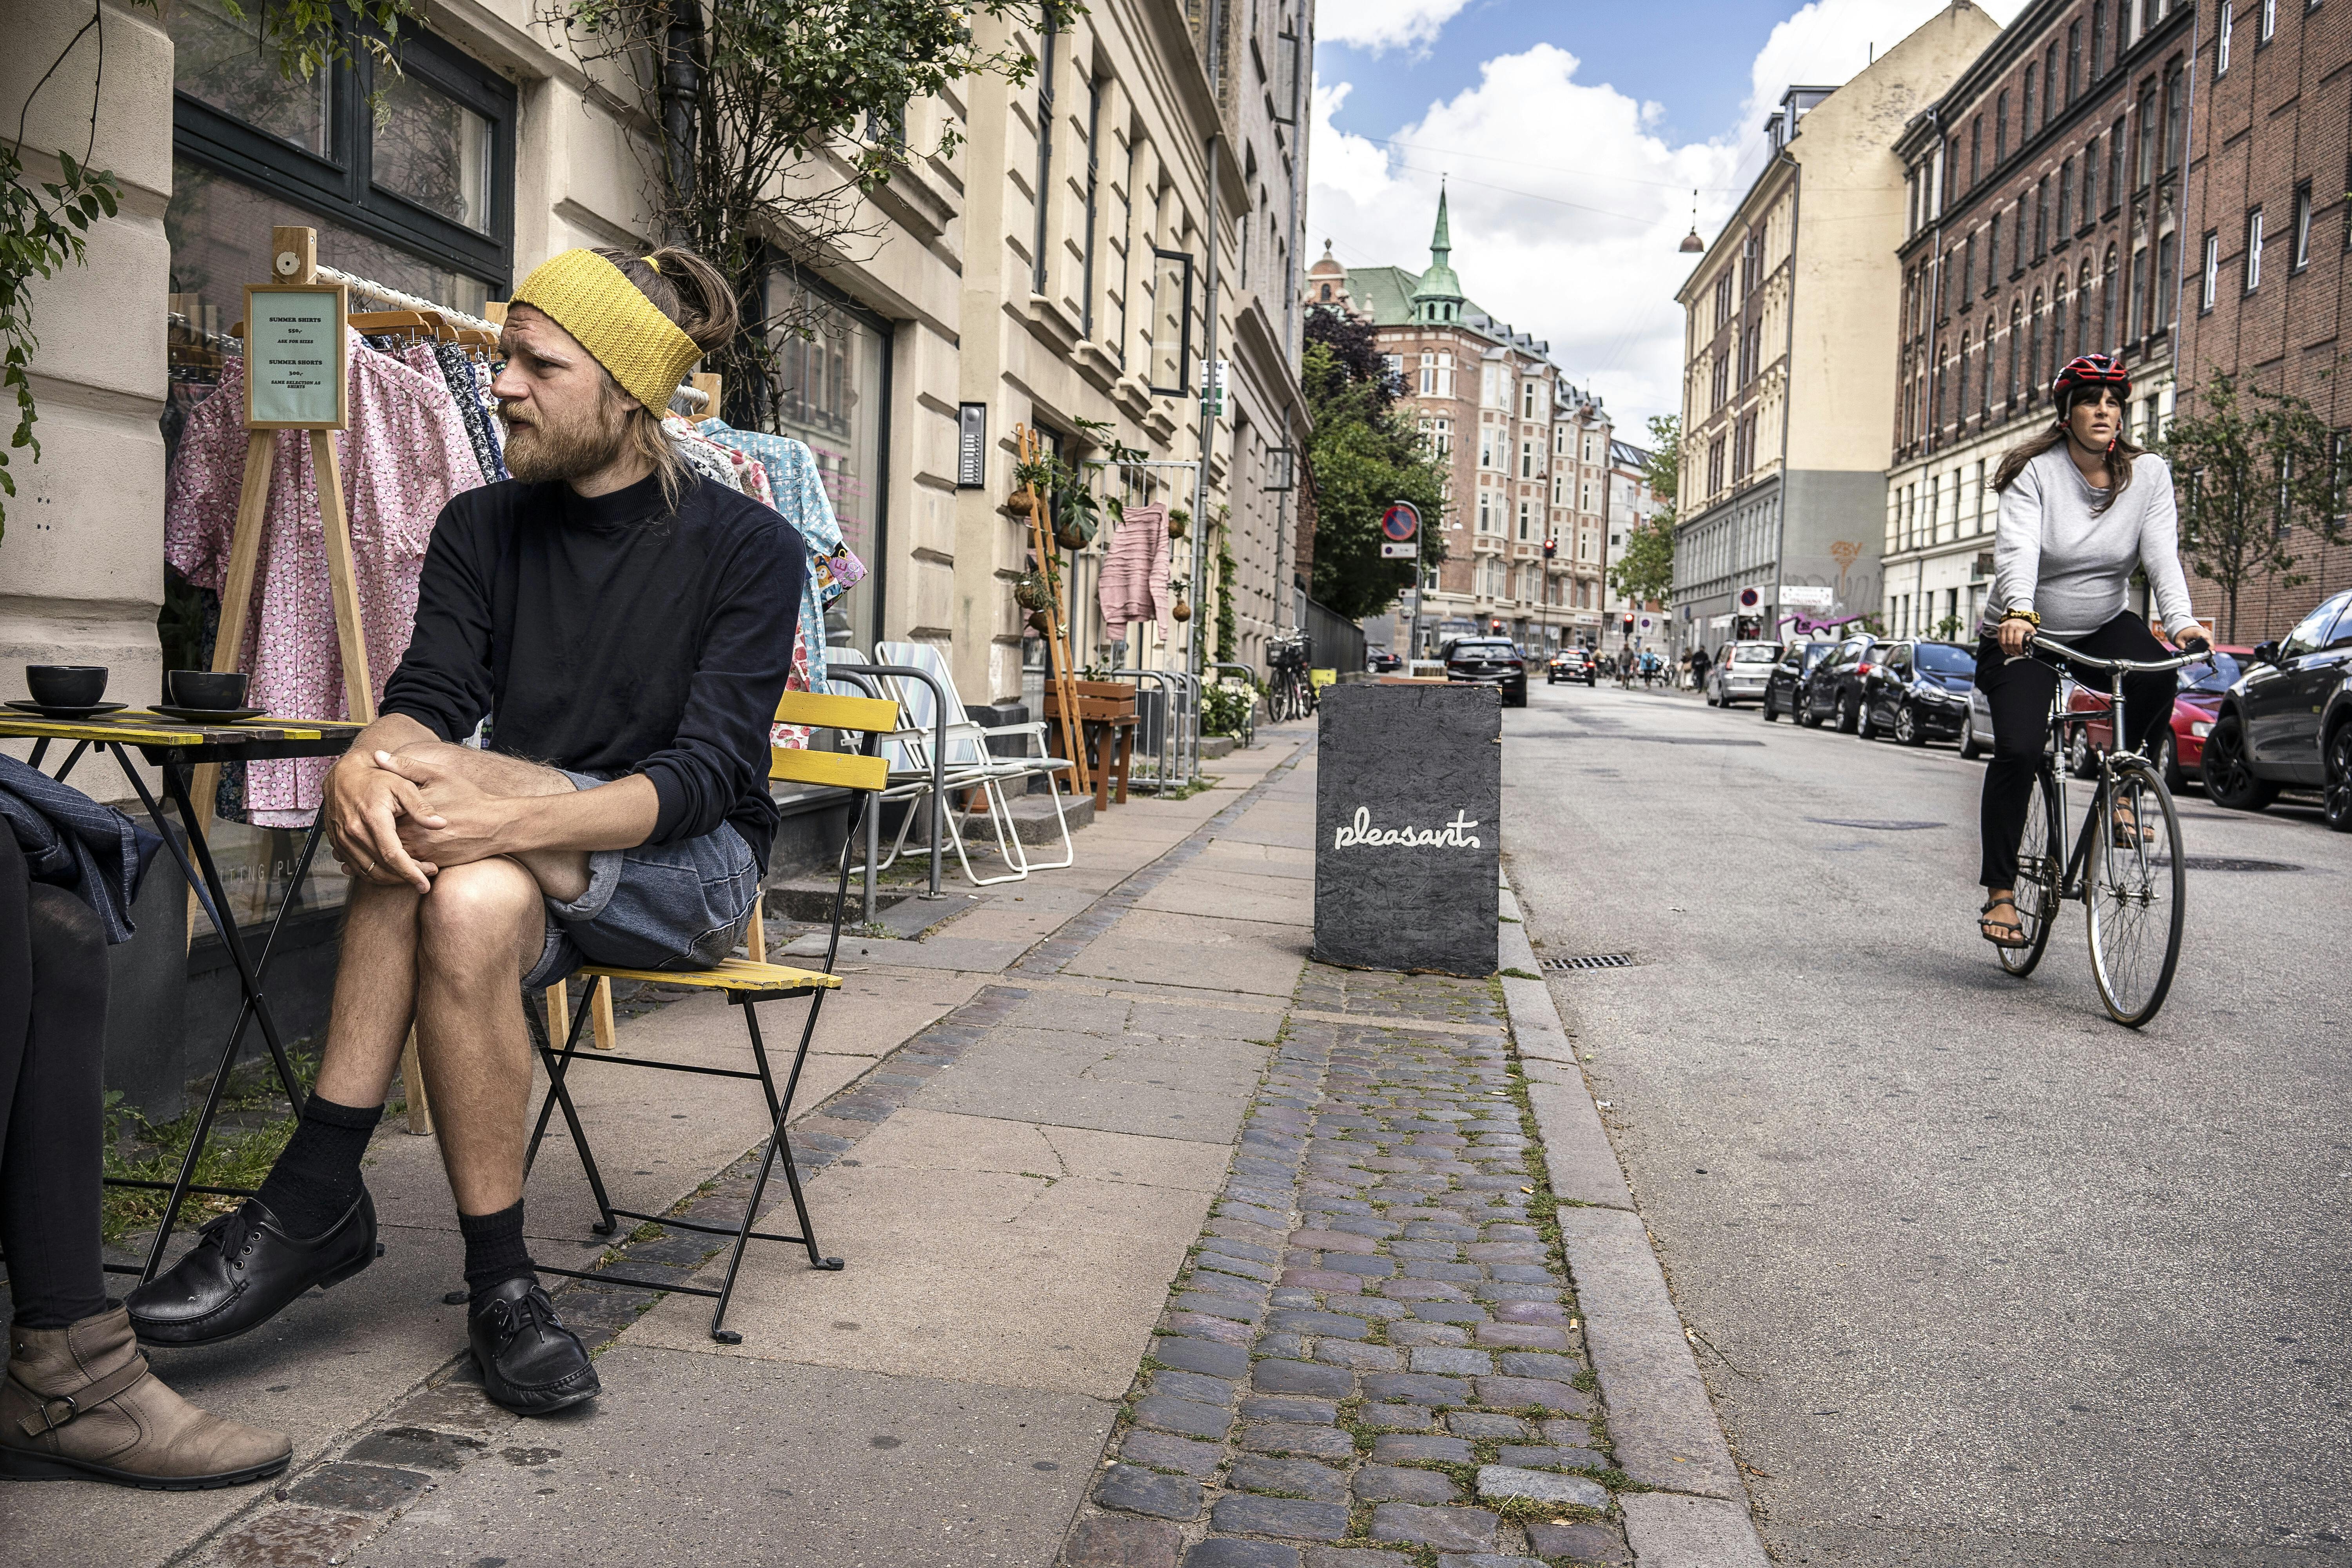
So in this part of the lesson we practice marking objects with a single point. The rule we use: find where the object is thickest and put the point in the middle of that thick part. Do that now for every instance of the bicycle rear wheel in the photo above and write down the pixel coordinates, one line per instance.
(2039, 869)
(2135, 892)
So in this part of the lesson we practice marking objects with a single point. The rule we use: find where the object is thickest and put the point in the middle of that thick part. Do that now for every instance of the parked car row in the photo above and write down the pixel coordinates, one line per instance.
(2251, 722)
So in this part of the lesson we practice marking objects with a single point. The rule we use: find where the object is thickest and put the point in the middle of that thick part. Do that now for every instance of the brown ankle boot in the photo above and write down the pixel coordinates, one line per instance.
(81, 1403)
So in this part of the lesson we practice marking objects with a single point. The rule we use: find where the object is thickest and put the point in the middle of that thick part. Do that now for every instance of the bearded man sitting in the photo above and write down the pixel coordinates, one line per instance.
(627, 629)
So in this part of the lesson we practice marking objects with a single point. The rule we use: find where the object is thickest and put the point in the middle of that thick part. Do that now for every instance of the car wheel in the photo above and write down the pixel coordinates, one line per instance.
(2337, 803)
(2079, 756)
(2168, 759)
(1865, 727)
(1969, 749)
(1907, 729)
(2230, 779)
(1849, 716)
(1768, 713)
(1805, 714)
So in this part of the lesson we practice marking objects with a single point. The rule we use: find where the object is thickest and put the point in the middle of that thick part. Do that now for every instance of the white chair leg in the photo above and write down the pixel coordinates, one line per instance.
(955, 837)
(1061, 820)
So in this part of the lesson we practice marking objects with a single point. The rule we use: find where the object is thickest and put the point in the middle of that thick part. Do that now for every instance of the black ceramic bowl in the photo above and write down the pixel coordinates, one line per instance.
(205, 689)
(66, 685)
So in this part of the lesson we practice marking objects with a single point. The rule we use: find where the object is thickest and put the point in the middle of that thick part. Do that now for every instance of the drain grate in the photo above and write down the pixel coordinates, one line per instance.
(1591, 961)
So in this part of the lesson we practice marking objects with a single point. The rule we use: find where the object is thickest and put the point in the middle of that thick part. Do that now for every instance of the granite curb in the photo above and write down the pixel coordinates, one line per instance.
(1662, 1426)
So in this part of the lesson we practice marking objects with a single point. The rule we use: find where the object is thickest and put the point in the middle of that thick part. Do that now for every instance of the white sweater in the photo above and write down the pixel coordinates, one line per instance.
(2058, 556)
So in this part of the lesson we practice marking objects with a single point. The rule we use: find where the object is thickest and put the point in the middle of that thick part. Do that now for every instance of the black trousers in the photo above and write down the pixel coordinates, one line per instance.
(52, 1032)
(2019, 691)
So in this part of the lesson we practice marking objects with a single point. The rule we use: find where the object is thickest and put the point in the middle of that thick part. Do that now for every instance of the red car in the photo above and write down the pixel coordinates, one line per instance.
(2193, 707)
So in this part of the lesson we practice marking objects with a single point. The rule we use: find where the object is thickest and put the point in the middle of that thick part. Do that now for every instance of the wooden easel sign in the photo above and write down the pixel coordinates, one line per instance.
(297, 358)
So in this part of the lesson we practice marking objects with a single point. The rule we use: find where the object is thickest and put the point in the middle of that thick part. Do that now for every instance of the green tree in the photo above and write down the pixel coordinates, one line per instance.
(2249, 464)
(1645, 572)
(771, 122)
(1365, 454)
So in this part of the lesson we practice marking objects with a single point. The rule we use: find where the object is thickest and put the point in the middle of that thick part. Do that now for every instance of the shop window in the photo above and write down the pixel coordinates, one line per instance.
(832, 392)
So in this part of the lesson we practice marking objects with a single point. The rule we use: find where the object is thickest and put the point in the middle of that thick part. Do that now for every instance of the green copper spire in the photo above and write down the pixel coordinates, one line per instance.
(1439, 298)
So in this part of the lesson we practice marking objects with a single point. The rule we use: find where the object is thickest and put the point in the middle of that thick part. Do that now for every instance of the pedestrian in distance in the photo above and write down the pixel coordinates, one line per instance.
(2082, 508)
(631, 626)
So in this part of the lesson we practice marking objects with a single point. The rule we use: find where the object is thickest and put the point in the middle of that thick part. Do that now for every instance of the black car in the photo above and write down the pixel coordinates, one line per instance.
(2289, 723)
(1489, 662)
(1381, 660)
(1571, 664)
(1916, 691)
(1832, 688)
(1797, 661)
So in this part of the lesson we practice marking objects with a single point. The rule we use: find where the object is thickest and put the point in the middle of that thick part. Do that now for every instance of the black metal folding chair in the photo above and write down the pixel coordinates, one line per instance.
(745, 981)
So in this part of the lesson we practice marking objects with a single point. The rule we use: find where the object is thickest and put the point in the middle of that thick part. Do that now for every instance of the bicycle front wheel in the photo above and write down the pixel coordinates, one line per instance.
(2136, 890)
(2039, 871)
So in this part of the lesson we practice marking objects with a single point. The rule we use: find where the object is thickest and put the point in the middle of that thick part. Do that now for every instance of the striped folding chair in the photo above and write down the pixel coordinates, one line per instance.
(746, 983)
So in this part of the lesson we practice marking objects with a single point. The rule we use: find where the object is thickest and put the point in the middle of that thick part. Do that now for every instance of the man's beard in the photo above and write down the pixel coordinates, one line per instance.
(539, 450)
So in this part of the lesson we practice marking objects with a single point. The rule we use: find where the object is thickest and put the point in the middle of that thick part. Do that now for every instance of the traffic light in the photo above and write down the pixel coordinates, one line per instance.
(1551, 547)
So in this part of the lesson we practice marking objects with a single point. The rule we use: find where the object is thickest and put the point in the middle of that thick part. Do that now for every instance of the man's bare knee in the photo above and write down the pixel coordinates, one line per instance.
(477, 916)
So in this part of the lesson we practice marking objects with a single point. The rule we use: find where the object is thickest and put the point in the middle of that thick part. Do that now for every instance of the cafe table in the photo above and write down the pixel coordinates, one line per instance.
(176, 748)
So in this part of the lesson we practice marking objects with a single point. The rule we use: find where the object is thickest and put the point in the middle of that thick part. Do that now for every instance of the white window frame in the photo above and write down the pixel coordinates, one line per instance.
(2209, 287)
(2221, 30)
(2253, 250)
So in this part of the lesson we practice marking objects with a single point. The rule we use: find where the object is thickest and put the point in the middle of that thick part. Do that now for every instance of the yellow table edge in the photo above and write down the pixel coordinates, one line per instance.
(734, 975)
(167, 732)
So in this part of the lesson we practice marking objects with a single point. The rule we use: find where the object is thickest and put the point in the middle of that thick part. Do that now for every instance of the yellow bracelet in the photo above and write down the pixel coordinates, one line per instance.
(2022, 616)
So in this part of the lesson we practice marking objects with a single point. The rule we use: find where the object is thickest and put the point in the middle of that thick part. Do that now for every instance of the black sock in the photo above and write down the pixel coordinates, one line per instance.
(317, 1180)
(495, 1252)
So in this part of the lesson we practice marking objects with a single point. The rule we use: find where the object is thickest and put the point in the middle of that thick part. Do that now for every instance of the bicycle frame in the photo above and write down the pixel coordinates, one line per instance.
(2075, 861)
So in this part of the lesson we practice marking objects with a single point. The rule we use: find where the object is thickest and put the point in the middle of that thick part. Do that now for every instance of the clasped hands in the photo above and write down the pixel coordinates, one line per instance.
(398, 818)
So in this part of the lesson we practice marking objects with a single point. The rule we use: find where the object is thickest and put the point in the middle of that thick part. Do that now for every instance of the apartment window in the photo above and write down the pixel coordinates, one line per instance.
(1984, 373)
(2107, 339)
(2042, 218)
(1992, 254)
(2115, 144)
(2049, 85)
(2144, 170)
(2137, 322)
(2302, 234)
(2253, 250)
(2263, 34)
(2016, 340)
(2163, 284)
(1722, 380)
(2057, 325)
(2176, 116)
(1049, 35)
(2001, 128)
(1487, 449)
(2083, 309)
(1442, 441)
(1715, 465)
(1976, 151)
(1527, 400)
(1526, 515)
(2098, 34)
(2223, 26)
(2073, 59)
(1968, 269)
(2065, 199)
(2033, 350)
(1959, 383)
(1751, 352)
(2090, 180)
(2025, 125)
(1723, 299)
(1094, 127)
(1486, 511)
(1527, 459)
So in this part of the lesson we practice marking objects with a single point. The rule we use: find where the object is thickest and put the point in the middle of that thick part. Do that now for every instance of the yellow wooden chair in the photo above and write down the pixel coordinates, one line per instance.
(745, 981)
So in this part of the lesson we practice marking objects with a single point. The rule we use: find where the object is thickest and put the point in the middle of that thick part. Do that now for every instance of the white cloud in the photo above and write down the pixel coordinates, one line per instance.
(1566, 204)
(1381, 25)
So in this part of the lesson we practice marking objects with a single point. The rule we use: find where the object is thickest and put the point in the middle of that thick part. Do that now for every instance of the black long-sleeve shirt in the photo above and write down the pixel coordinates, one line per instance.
(608, 639)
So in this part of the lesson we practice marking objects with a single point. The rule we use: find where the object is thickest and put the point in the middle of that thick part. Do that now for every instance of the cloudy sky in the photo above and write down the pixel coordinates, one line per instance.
(1571, 134)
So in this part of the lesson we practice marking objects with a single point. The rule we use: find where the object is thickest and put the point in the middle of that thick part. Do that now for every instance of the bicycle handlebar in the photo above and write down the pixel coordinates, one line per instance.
(2092, 661)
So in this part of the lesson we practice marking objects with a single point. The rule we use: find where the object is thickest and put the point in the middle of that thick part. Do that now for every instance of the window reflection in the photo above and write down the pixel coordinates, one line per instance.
(220, 59)
(829, 395)
(433, 150)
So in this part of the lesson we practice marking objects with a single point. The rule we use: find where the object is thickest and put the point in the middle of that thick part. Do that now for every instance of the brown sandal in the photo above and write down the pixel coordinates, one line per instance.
(1992, 931)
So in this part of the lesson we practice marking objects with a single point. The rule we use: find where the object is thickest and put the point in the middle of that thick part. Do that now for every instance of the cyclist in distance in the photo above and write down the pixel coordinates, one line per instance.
(2081, 508)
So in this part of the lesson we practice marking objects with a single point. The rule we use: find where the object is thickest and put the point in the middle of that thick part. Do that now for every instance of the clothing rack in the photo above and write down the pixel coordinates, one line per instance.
(294, 258)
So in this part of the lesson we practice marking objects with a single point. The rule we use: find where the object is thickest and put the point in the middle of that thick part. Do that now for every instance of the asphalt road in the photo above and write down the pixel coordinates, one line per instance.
(1977, 1276)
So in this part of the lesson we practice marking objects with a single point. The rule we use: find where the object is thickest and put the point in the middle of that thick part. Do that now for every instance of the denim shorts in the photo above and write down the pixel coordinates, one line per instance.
(658, 906)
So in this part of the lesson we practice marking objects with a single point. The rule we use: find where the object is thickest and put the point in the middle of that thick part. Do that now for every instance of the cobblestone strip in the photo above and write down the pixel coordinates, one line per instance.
(1374, 1358)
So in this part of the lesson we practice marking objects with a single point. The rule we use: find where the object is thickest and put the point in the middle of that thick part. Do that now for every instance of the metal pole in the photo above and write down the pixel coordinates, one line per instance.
(1209, 387)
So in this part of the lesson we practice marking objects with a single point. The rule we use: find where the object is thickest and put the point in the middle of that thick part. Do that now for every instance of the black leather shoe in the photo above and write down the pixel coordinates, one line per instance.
(530, 1362)
(243, 1272)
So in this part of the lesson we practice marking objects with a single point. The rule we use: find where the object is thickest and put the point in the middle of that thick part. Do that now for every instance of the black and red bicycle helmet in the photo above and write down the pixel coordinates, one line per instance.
(2089, 371)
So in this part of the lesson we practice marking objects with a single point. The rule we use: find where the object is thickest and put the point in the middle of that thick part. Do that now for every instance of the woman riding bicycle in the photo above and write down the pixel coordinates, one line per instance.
(2081, 508)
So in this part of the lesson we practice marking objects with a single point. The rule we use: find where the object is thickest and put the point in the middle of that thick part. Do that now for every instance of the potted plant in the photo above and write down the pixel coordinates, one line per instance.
(1179, 522)
(1031, 479)
(1077, 518)
(1181, 591)
(1032, 592)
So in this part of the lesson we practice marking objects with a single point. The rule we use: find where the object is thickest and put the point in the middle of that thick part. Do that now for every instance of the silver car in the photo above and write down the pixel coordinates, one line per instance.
(1740, 672)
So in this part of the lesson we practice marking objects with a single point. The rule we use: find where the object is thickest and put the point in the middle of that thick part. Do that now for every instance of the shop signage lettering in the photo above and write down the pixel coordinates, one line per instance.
(295, 364)
(1454, 834)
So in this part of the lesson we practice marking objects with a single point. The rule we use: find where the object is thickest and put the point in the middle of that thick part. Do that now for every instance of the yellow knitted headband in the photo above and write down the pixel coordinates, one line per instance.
(594, 300)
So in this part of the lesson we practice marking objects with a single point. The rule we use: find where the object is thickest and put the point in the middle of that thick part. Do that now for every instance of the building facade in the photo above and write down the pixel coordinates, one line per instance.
(1526, 453)
(2269, 227)
(1786, 387)
(2041, 214)
(1631, 506)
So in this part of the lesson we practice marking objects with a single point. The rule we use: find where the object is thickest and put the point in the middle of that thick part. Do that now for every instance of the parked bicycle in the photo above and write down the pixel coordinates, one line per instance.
(2126, 866)
(1290, 683)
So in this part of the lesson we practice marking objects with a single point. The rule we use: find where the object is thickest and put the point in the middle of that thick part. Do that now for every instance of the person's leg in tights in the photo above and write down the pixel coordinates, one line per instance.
(2018, 690)
(70, 1349)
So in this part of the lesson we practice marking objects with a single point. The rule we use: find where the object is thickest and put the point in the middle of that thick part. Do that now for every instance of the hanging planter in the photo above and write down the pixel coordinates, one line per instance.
(1183, 608)
(1020, 503)
(1077, 518)
(1040, 622)
(1179, 522)
(1032, 592)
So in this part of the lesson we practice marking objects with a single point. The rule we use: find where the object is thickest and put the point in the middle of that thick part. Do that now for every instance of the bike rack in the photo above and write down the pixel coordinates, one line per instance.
(1178, 762)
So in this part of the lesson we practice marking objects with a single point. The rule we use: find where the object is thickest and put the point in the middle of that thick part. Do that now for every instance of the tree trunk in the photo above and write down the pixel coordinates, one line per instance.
(681, 91)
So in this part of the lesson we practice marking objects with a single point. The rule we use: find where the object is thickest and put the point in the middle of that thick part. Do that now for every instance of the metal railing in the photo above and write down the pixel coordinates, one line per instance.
(1171, 727)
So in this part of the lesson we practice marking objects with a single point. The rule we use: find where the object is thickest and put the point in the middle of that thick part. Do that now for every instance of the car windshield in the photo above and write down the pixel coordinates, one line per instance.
(2219, 676)
(1484, 650)
(1947, 659)
(1755, 653)
(1816, 652)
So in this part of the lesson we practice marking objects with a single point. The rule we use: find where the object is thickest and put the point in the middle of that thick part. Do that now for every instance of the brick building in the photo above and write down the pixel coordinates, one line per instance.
(2042, 219)
(1527, 452)
(2271, 227)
